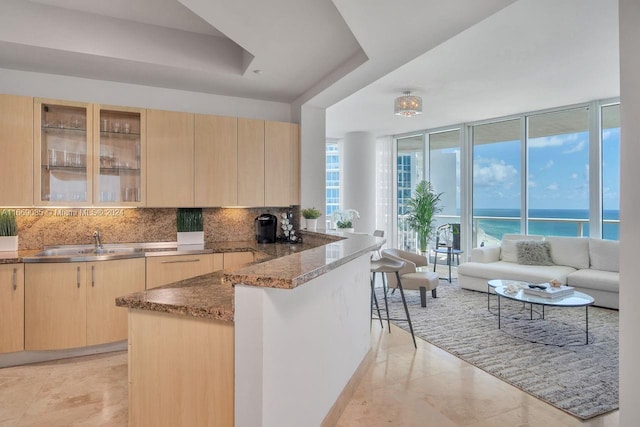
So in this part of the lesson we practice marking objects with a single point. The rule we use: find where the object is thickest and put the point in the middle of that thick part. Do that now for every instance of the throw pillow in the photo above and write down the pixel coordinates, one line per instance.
(604, 254)
(570, 251)
(534, 253)
(508, 251)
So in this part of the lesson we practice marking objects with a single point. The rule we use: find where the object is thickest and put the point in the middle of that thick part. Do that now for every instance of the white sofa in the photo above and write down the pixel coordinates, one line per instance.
(589, 265)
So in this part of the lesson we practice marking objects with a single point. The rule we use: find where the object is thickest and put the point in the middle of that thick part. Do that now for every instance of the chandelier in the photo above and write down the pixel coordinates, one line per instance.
(408, 105)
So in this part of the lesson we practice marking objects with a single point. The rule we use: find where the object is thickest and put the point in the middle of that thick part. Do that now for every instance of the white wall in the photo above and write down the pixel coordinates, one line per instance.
(629, 212)
(297, 349)
(358, 178)
(122, 94)
(312, 158)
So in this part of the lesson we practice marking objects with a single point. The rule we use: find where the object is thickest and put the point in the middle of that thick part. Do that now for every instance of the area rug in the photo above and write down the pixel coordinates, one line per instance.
(556, 367)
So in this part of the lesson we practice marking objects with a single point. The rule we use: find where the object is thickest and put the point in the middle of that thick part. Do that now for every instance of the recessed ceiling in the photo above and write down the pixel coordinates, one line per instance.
(531, 55)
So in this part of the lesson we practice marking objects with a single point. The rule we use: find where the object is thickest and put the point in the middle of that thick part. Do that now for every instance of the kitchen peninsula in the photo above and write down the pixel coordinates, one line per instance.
(267, 344)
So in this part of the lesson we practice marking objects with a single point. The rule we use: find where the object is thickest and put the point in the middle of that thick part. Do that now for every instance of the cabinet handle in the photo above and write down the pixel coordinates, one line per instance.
(15, 279)
(78, 276)
(93, 275)
(180, 260)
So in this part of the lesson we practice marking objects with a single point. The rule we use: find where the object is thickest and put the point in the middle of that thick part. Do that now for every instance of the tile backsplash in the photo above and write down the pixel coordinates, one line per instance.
(47, 227)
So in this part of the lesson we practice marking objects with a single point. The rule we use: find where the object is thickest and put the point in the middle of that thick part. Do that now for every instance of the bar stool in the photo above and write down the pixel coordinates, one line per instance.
(390, 266)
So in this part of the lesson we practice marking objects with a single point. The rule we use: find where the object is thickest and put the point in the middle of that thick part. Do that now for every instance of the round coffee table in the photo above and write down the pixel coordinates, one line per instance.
(576, 299)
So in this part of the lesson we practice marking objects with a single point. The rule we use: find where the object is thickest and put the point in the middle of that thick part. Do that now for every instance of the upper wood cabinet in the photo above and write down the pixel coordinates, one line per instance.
(170, 161)
(251, 162)
(11, 307)
(119, 144)
(63, 153)
(216, 161)
(281, 164)
(16, 144)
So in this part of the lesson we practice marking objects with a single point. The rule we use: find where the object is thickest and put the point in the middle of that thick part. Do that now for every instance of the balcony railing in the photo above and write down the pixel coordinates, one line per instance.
(577, 227)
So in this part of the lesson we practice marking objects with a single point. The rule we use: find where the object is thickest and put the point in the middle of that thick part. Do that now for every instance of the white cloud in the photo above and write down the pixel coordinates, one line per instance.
(574, 176)
(576, 148)
(553, 187)
(552, 141)
(547, 166)
(490, 172)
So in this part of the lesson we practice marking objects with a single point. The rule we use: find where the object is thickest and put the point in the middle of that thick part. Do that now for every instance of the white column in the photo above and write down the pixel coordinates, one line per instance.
(312, 158)
(629, 12)
(358, 173)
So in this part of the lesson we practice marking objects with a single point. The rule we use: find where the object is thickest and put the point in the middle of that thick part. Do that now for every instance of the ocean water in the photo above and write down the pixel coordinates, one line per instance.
(495, 227)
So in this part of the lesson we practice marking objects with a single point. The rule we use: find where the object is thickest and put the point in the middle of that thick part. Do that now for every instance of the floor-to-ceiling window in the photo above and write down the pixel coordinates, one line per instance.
(552, 172)
(444, 172)
(558, 173)
(497, 172)
(332, 184)
(610, 138)
(409, 171)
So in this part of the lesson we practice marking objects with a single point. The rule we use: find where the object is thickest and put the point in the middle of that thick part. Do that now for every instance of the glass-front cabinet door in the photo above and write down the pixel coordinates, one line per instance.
(119, 154)
(63, 159)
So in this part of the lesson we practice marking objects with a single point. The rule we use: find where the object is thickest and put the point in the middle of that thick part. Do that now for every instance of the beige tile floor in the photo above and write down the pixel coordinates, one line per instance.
(405, 387)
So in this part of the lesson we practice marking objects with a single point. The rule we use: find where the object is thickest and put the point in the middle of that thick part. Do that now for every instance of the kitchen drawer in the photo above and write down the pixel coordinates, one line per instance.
(162, 270)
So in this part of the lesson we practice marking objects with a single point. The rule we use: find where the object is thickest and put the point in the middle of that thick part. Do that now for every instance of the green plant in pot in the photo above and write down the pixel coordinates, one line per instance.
(311, 216)
(421, 210)
(190, 225)
(344, 219)
(8, 231)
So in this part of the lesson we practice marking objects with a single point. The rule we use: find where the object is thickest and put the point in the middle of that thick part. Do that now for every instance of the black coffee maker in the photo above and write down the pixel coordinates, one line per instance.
(266, 226)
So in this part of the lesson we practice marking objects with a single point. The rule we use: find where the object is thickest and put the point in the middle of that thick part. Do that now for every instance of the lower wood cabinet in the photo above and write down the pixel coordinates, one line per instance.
(69, 305)
(233, 259)
(162, 270)
(11, 307)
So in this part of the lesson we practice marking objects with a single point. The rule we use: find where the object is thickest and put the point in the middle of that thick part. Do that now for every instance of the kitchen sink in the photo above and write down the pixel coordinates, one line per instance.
(85, 253)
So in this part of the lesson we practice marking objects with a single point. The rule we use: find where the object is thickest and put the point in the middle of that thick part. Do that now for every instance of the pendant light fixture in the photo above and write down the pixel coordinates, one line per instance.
(408, 105)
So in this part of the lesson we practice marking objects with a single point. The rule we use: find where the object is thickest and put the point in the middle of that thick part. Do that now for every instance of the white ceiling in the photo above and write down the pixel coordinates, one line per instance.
(468, 59)
(531, 55)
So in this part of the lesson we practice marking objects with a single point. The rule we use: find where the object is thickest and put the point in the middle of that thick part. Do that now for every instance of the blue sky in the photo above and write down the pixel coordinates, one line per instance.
(558, 175)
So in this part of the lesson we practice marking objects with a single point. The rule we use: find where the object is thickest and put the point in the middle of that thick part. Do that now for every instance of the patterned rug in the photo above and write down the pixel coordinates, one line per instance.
(545, 358)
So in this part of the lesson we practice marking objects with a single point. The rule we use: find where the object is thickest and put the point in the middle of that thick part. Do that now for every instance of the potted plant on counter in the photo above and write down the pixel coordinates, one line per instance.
(421, 211)
(190, 226)
(311, 216)
(344, 219)
(8, 231)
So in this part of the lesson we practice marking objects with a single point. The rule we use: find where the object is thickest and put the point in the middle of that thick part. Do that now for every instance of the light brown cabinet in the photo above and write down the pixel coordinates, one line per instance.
(216, 160)
(170, 161)
(162, 270)
(282, 161)
(16, 144)
(251, 164)
(233, 259)
(119, 144)
(106, 281)
(63, 152)
(11, 307)
(71, 305)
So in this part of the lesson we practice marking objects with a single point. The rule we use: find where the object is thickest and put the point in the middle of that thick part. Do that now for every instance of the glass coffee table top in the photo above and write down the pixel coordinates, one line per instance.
(575, 299)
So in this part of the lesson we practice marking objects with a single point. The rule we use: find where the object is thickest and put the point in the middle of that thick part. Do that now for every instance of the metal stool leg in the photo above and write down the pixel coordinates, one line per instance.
(375, 299)
(386, 303)
(406, 309)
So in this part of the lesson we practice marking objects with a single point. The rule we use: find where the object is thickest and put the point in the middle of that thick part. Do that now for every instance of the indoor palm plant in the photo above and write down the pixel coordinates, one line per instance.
(421, 211)
(8, 231)
(311, 216)
(190, 226)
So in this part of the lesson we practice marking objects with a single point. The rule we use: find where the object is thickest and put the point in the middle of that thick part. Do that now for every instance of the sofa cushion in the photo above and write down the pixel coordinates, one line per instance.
(513, 271)
(603, 254)
(570, 251)
(534, 253)
(595, 279)
(508, 250)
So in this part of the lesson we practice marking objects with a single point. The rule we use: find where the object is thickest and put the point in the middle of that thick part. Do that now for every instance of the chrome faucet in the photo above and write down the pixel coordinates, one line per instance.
(97, 236)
